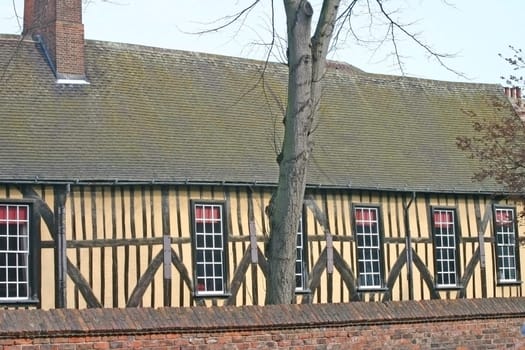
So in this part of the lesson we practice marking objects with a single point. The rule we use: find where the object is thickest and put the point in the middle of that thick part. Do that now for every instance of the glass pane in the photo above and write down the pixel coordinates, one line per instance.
(201, 284)
(209, 284)
(209, 241)
(208, 255)
(12, 243)
(298, 281)
(199, 227)
(218, 285)
(218, 270)
(200, 241)
(200, 270)
(22, 291)
(217, 254)
(218, 241)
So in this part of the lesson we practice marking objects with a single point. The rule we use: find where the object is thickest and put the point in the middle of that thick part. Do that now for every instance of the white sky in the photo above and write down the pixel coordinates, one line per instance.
(474, 30)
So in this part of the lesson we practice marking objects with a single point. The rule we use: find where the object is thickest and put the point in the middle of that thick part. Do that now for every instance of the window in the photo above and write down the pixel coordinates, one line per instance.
(301, 272)
(16, 260)
(209, 245)
(369, 247)
(506, 247)
(444, 230)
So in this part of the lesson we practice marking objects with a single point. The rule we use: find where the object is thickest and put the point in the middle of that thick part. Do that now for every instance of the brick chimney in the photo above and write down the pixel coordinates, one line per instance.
(514, 96)
(57, 25)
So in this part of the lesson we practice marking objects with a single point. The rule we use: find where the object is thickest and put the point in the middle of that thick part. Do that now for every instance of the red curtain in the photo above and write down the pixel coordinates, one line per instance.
(365, 216)
(503, 218)
(443, 219)
(12, 214)
(207, 213)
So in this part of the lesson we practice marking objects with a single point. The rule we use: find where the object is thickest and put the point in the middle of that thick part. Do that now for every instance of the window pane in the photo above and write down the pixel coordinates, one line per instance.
(14, 252)
(209, 241)
(199, 227)
(218, 284)
(200, 241)
(300, 265)
(218, 270)
(218, 241)
(505, 238)
(209, 247)
(368, 246)
(444, 232)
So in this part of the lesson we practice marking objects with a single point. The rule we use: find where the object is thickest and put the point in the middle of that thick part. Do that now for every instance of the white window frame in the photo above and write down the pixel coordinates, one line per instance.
(505, 239)
(15, 258)
(369, 247)
(301, 269)
(445, 233)
(209, 247)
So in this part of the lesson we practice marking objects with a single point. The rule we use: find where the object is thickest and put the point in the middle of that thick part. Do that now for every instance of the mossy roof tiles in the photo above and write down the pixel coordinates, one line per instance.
(155, 115)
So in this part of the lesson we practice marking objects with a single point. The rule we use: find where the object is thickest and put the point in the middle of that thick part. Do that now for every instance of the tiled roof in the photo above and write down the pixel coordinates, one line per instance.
(167, 116)
(67, 322)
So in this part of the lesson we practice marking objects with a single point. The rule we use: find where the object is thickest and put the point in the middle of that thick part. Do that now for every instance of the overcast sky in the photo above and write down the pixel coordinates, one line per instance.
(474, 31)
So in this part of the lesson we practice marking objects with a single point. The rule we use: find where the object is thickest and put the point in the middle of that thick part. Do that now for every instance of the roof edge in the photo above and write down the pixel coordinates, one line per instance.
(187, 182)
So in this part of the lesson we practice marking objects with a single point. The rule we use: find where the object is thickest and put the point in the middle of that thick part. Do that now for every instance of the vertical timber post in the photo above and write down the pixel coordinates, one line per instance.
(253, 248)
(408, 237)
(61, 193)
(166, 246)
(482, 225)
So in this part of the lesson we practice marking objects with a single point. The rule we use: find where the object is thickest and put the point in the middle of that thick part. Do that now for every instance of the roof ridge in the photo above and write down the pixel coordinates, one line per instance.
(157, 49)
(18, 37)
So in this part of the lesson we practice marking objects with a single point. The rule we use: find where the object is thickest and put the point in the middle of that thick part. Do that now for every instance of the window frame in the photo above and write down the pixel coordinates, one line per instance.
(497, 254)
(304, 256)
(381, 286)
(456, 260)
(224, 292)
(33, 255)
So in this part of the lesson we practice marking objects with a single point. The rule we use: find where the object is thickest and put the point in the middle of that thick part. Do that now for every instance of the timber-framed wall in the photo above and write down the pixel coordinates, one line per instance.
(131, 245)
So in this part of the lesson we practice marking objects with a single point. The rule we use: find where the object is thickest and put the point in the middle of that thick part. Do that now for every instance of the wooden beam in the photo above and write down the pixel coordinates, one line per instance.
(321, 218)
(238, 277)
(166, 249)
(60, 196)
(481, 224)
(145, 280)
(253, 242)
(73, 272)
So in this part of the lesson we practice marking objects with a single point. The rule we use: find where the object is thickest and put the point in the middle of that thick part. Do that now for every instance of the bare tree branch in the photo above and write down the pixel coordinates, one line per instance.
(16, 15)
(231, 19)
(438, 56)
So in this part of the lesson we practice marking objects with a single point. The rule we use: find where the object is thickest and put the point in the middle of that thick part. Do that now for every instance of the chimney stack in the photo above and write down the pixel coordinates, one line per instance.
(514, 96)
(57, 25)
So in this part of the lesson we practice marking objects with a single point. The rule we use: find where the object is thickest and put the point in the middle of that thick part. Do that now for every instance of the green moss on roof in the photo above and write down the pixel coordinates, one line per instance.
(164, 115)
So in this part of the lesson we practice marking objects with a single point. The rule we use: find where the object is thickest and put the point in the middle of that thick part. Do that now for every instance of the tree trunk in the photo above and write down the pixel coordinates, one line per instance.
(306, 64)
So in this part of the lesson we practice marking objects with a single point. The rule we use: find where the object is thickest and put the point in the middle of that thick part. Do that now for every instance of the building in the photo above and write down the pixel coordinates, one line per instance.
(138, 176)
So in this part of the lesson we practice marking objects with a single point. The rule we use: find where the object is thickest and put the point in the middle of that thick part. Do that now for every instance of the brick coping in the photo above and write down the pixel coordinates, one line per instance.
(97, 322)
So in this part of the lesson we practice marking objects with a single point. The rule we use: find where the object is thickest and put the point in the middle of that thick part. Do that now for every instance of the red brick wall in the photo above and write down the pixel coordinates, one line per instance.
(59, 23)
(461, 324)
